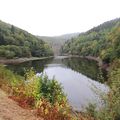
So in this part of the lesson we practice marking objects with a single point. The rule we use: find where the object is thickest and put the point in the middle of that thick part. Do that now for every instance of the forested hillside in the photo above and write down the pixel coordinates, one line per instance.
(102, 41)
(15, 42)
(57, 41)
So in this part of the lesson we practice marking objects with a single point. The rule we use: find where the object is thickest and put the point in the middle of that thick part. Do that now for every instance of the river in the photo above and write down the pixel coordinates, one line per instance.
(82, 79)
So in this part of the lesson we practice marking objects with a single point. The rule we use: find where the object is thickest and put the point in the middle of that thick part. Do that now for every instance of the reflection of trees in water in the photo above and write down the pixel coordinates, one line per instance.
(37, 65)
(87, 67)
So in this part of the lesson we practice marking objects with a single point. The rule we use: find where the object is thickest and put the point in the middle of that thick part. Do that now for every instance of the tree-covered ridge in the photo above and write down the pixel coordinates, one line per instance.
(57, 41)
(15, 42)
(112, 49)
(100, 41)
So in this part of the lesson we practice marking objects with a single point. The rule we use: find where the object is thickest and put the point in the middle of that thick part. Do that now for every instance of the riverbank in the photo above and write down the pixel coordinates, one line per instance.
(103, 65)
(31, 97)
(21, 60)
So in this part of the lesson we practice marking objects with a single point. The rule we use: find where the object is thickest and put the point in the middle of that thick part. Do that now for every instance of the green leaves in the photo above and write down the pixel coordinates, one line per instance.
(51, 90)
(23, 43)
(101, 41)
(111, 108)
(42, 86)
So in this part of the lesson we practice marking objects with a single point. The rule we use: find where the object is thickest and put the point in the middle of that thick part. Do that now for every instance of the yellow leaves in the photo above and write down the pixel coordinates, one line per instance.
(64, 113)
(40, 102)
(46, 111)
(29, 95)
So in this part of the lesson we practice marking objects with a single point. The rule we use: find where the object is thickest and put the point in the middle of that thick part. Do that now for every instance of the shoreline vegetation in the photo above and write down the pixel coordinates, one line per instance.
(101, 42)
(27, 94)
(21, 60)
(17, 43)
(101, 64)
(38, 93)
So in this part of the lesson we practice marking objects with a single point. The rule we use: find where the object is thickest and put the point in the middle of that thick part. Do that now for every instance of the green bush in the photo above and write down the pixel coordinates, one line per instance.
(51, 90)
(9, 54)
(32, 85)
(8, 79)
(111, 109)
(42, 86)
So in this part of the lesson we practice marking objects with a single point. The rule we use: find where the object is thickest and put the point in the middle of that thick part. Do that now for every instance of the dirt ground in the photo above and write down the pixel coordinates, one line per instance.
(9, 110)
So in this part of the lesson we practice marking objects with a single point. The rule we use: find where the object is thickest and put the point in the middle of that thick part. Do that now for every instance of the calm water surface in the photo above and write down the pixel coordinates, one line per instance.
(79, 78)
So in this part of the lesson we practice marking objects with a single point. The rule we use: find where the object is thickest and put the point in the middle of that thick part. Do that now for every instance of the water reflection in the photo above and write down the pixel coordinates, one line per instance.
(76, 75)
(87, 67)
(78, 79)
(37, 65)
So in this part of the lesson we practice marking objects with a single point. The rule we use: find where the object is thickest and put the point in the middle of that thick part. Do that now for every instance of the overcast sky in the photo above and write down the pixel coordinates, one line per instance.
(56, 17)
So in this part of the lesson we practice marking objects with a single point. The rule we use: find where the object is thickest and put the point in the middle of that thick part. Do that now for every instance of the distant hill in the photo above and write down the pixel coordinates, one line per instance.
(57, 41)
(15, 42)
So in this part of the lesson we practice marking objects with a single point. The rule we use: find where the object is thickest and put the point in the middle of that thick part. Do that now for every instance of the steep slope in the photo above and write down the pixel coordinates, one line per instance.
(57, 41)
(9, 110)
(15, 42)
(95, 42)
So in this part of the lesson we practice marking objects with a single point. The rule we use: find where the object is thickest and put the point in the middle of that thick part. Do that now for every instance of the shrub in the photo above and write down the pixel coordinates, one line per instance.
(32, 85)
(9, 54)
(46, 96)
(51, 90)
(41, 94)
(111, 109)
(8, 80)
(53, 112)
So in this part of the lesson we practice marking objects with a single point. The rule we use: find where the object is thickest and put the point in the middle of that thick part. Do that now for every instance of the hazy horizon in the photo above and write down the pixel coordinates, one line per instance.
(58, 17)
